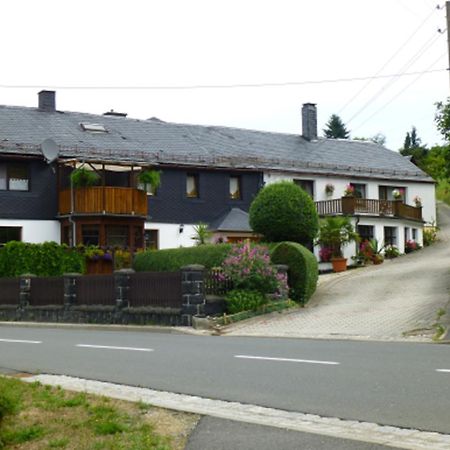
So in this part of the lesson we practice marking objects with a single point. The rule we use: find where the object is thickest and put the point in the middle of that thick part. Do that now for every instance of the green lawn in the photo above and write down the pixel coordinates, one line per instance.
(34, 417)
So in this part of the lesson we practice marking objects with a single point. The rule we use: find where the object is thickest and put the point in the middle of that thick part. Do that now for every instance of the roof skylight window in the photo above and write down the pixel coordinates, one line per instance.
(93, 127)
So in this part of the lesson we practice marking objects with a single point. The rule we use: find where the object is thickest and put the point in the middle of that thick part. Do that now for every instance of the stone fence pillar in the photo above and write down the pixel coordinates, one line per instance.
(192, 292)
(70, 288)
(122, 286)
(25, 289)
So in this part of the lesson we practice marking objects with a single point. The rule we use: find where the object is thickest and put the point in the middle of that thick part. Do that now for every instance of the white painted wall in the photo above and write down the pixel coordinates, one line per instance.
(36, 231)
(426, 191)
(169, 234)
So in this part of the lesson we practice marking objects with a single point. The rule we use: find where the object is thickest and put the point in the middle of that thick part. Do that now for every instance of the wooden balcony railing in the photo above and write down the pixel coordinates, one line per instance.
(104, 200)
(355, 206)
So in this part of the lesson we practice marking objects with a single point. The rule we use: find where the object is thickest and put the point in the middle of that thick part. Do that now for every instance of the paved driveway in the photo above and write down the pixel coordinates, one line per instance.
(397, 300)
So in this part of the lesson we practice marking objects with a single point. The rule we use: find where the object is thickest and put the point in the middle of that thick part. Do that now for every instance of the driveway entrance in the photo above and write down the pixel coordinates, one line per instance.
(397, 300)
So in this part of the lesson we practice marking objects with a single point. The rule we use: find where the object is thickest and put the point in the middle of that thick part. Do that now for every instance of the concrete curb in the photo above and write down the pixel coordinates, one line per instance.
(90, 326)
(309, 423)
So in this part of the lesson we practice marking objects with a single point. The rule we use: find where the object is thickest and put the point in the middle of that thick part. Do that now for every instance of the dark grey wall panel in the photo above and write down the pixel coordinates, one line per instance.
(171, 205)
(39, 203)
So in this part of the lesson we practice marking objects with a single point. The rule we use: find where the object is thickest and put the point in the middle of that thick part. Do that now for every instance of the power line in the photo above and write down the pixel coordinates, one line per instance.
(393, 80)
(396, 95)
(219, 86)
(394, 55)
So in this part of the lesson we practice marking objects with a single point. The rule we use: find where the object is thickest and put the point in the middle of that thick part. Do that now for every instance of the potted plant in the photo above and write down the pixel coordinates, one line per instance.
(417, 201)
(150, 180)
(83, 177)
(335, 233)
(398, 194)
(349, 190)
(329, 189)
(376, 249)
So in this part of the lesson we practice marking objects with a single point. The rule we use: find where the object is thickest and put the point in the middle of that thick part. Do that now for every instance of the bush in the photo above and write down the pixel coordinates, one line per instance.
(411, 246)
(429, 235)
(303, 269)
(391, 251)
(248, 266)
(173, 259)
(243, 300)
(47, 259)
(284, 212)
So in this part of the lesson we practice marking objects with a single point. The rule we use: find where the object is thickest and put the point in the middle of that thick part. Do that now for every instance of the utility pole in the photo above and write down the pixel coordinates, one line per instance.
(447, 8)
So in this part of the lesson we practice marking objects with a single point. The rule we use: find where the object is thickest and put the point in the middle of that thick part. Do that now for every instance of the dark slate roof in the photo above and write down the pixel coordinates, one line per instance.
(233, 220)
(153, 141)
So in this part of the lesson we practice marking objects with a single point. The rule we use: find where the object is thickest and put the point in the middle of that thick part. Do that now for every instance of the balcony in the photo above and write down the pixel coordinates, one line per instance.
(104, 200)
(351, 206)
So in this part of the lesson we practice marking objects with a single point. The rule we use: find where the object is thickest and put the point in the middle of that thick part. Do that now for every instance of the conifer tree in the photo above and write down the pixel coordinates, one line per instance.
(335, 128)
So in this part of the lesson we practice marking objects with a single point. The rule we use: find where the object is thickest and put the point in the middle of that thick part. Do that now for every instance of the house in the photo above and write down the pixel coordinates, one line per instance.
(210, 174)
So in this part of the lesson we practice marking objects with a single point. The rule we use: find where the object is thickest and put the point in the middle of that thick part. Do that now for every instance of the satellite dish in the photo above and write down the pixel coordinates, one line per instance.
(50, 150)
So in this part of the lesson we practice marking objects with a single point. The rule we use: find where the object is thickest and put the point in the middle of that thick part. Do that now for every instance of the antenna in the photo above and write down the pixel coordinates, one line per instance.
(49, 149)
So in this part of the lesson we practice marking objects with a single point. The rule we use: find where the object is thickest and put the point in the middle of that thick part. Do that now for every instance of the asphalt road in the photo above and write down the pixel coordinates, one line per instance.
(400, 384)
(217, 434)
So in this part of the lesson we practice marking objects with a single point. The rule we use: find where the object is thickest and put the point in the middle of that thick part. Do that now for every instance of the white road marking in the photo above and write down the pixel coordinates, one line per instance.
(110, 347)
(443, 370)
(20, 341)
(308, 361)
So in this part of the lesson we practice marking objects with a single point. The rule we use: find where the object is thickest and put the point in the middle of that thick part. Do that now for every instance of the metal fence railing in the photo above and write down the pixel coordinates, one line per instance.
(9, 291)
(47, 291)
(155, 289)
(95, 290)
(216, 282)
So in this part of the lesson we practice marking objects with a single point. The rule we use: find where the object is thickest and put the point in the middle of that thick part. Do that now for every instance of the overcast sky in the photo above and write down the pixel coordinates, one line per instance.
(136, 44)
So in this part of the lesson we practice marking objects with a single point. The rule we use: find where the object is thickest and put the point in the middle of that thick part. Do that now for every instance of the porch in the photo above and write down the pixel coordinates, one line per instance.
(351, 206)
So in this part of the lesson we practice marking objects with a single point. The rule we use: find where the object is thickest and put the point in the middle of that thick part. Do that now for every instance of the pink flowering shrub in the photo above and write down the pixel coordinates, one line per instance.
(325, 254)
(411, 246)
(249, 267)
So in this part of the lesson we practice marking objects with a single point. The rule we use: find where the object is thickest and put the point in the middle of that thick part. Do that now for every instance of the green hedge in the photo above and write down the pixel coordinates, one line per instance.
(303, 269)
(47, 259)
(173, 259)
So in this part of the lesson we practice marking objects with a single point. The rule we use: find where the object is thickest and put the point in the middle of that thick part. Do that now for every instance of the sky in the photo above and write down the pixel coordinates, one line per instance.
(153, 58)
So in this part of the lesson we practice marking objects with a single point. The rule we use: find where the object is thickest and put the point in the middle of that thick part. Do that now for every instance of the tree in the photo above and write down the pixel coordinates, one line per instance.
(442, 120)
(413, 147)
(284, 212)
(335, 128)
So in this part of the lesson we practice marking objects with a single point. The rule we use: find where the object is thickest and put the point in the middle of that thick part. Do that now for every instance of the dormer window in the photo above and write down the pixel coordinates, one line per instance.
(93, 127)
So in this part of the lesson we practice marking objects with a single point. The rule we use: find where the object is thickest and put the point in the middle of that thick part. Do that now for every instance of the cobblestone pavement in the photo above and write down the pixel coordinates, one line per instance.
(397, 300)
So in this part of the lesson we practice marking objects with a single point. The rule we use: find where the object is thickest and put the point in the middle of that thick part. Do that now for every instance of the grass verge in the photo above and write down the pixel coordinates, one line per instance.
(226, 319)
(35, 417)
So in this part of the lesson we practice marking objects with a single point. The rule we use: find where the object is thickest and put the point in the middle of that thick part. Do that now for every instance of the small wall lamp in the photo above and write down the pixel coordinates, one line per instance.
(181, 227)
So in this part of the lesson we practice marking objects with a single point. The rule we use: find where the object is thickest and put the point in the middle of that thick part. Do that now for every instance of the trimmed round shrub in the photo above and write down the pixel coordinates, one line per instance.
(303, 269)
(284, 212)
(171, 260)
(239, 300)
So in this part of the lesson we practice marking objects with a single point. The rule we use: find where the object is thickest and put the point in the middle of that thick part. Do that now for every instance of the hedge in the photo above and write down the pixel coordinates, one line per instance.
(47, 259)
(303, 269)
(173, 259)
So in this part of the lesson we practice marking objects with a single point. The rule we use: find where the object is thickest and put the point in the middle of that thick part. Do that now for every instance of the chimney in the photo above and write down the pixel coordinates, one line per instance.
(115, 114)
(47, 101)
(309, 121)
